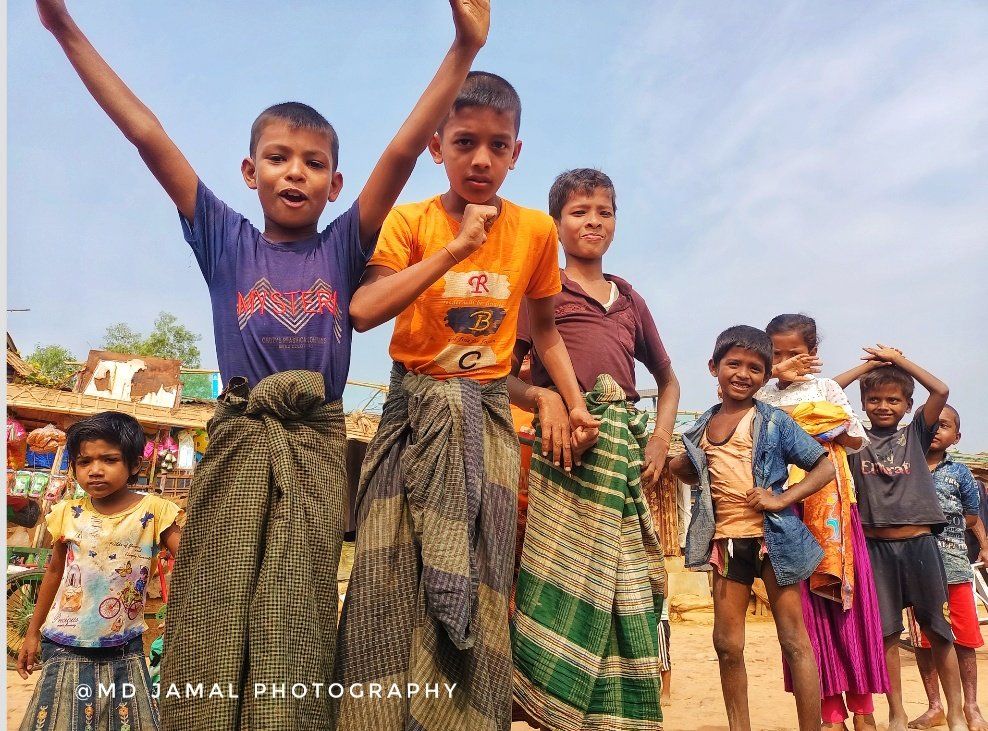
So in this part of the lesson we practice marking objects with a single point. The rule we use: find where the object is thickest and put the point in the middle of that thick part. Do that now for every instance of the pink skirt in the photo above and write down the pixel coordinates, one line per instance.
(848, 646)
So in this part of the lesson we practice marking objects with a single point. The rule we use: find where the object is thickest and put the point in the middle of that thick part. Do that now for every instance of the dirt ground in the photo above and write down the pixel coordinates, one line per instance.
(696, 701)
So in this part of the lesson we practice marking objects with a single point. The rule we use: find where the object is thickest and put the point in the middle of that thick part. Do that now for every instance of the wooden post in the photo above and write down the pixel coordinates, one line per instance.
(41, 529)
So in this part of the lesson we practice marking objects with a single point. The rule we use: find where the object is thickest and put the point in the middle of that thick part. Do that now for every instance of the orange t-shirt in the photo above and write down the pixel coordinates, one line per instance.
(465, 324)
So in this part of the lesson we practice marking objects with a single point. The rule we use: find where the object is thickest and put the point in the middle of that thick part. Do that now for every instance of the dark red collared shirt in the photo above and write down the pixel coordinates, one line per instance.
(601, 340)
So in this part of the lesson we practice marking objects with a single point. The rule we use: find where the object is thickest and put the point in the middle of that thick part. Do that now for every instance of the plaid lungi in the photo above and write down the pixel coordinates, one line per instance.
(591, 583)
(254, 593)
(427, 605)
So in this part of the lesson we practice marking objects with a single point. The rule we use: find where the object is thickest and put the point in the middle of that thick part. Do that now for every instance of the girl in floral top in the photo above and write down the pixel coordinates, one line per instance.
(88, 623)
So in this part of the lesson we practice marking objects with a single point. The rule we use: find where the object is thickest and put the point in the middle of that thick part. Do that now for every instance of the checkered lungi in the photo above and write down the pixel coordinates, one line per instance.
(427, 604)
(254, 592)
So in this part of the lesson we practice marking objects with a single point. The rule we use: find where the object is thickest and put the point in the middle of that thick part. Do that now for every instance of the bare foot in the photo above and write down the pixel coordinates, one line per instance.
(975, 721)
(956, 720)
(834, 726)
(932, 717)
(865, 722)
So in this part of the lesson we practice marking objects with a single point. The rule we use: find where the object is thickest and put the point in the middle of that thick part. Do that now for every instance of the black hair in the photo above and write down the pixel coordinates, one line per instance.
(886, 375)
(803, 325)
(484, 89)
(957, 416)
(747, 337)
(583, 180)
(298, 116)
(112, 427)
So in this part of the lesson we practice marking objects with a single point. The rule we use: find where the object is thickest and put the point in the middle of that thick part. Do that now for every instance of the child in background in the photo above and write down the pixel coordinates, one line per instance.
(743, 520)
(438, 499)
(900, 513)
(841, 611)
(665, 655)
(590, 540)
(959, 498)
(88, 624)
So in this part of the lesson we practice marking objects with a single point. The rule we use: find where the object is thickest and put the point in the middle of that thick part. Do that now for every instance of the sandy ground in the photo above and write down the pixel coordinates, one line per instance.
(696, 701)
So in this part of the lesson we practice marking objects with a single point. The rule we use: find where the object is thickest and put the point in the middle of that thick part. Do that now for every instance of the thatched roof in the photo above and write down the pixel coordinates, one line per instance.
(40, 402)
(18, 364)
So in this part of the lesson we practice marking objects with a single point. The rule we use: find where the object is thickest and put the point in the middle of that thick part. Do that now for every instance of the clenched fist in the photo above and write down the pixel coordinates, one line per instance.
(474, 227)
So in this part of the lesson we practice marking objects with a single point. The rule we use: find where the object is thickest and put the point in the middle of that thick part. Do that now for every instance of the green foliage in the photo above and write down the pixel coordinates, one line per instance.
(168, 339)
(50, 362)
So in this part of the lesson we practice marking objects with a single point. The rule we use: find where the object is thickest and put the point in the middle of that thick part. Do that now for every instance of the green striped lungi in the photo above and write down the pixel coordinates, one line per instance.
(591, 584)
(424, 641)
(254, 595)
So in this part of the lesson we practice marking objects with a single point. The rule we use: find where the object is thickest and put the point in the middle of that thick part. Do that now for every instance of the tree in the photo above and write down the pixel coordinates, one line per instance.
(50, 361)
(168, 339)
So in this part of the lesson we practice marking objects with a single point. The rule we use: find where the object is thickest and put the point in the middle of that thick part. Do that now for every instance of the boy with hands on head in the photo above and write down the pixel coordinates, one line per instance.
(900, 513)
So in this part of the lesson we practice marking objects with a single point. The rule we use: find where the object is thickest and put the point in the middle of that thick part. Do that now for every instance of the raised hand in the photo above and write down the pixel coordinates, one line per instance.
(472, 19)
(53, 13)
(882, 354)
(476, 224)
(795, 369)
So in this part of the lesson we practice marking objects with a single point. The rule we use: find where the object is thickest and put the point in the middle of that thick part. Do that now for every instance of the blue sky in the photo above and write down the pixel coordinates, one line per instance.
(829, 158)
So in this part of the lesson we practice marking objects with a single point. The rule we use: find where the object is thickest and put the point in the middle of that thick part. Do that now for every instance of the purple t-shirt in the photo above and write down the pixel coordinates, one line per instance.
(278, 307)
(598, 339)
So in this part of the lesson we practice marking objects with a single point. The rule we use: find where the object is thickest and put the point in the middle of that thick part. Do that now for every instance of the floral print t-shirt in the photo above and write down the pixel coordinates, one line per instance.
(100, 602)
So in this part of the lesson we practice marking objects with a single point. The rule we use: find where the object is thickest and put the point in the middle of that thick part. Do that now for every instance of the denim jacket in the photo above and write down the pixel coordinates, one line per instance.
(777, 441)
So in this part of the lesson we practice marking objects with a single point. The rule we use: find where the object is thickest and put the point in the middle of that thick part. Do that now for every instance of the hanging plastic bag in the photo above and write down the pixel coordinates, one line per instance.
(46, 439)
(15, 431)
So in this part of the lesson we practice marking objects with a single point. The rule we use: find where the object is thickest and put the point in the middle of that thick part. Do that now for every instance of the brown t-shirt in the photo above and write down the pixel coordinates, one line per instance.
(601, 340)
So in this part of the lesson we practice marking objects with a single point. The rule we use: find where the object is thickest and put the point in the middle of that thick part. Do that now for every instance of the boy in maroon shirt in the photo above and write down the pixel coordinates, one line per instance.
(583, 546)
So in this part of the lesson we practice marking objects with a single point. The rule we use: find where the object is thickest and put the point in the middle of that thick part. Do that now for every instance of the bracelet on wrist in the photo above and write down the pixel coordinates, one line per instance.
(451, 254)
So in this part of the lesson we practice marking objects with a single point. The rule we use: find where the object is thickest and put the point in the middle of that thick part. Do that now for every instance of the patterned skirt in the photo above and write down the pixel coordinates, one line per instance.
(92, 689)
(847, 644)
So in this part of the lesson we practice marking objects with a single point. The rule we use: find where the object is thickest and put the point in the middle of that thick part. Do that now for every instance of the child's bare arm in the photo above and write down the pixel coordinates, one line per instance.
(683, 469)
(472, 21)
(849, 376)
(28, 657)
(171, 537)
(938, 390)
(849, 442)
(665, 419)
(384, 293)
(763, 499)
(138, 124)
(977, 527)
(581, 429)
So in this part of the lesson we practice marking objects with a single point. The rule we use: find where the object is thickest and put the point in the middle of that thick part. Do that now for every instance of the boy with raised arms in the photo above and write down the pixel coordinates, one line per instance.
(427, 604)
(266, 509)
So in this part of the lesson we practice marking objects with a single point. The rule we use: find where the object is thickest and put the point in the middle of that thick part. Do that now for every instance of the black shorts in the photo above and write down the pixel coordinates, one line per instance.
(909, 573)
(740, 559)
